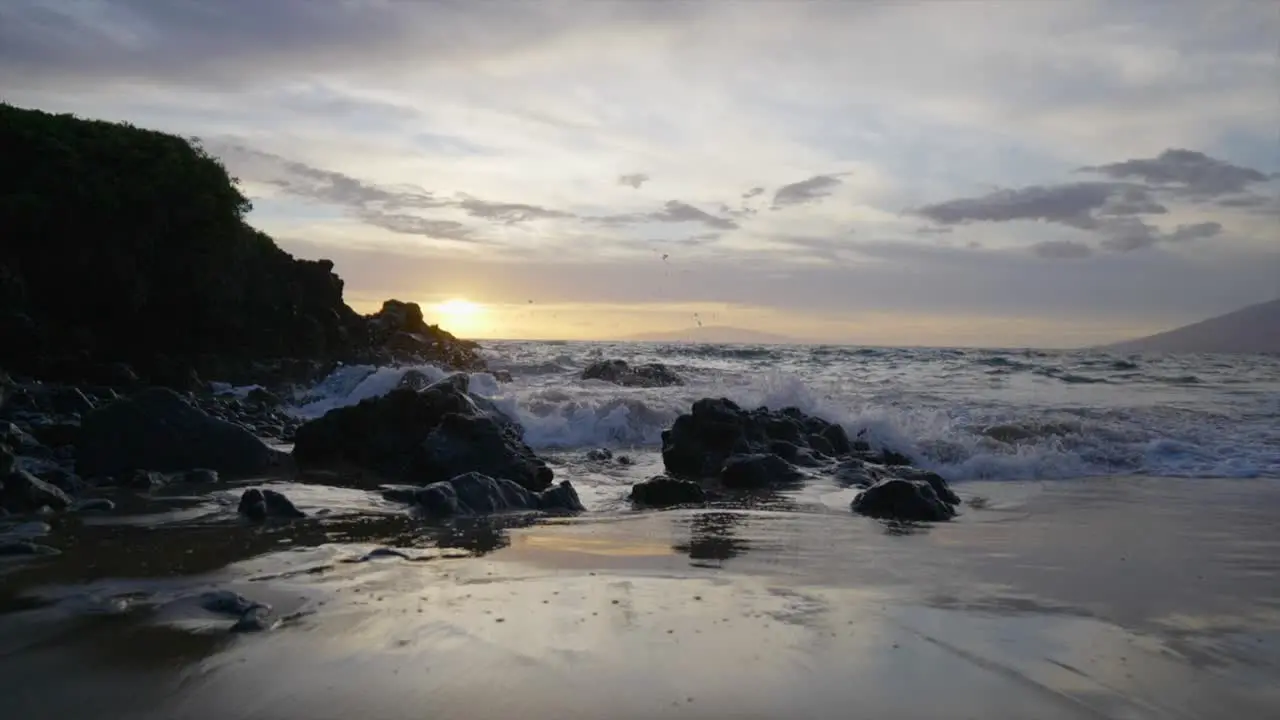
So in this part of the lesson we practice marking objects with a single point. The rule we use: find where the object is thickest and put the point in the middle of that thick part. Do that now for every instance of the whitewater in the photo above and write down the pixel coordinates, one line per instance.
(968, 414)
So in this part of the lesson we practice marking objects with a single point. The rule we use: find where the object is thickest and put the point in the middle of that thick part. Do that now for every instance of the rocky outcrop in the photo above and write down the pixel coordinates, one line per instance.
(126, 255)
(619, 372)
(756, 449)
(699, 443)
(901, 499)
(157, 430)
(22, 492)
(262, 503)
(663, 491)
(421, 437)
(399, 331)
(477, 494)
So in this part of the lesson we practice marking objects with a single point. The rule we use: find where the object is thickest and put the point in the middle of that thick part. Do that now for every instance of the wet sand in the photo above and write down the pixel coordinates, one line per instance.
(1124, 598)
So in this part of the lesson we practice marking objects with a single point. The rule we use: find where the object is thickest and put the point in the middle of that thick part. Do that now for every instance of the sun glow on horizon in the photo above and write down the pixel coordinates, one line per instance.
(461, 317)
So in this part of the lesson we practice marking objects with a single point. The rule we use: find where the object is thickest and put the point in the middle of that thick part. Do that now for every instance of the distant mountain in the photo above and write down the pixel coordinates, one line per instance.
(714, 334)
(1255, 329)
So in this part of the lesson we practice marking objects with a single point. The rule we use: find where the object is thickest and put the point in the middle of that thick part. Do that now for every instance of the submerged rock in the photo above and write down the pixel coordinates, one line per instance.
(476, 494)
(663, 491)
(619, 372)
(261, 503)
(157, 430)
(423, 436)
(901, 499)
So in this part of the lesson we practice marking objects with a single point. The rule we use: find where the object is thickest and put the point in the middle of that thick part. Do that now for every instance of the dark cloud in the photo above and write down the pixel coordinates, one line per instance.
(752, 193)
(509, 213)
(676, 211)
(635, 180)
(1062, 249)
(798, 193)
(1197, 231)
(1072, 204)
(415, 225)
(1129, 234)
(1187, 172)
(378, 205)
(1131, 200)
(930, 230)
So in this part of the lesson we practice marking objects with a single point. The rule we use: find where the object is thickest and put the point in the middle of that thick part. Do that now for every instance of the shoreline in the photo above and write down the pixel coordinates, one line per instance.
(1122, 597)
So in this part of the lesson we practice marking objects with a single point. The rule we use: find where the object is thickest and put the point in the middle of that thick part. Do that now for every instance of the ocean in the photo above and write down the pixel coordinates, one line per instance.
(1116, 555)
(966, 414)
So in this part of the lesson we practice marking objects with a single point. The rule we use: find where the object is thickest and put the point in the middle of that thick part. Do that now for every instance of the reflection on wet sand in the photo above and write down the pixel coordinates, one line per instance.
(1093, 600)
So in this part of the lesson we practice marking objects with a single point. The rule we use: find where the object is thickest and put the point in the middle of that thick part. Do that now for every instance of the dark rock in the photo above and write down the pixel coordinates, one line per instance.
(838, 438)
(820, 444)
(157, 430)
(144, 480)
(699, 442)
(899, 499)
(503, 376)
(625, 460)
(225, 602)
(7, 460)
(23, 492)
(263, 398)
(93, 505)
(14, 548)
(256, 619)
(422, 436)
(261, 503)
(561, 497)
(476, 494)
(200, 475)
(619, 372)
(855, 472)
(892, 458)
(757, 471)
(936, 481)
(414, 380)
(399, 330)
(63, 479)
(600, 455)
(55, 433)
(383, 552)
(663, 491)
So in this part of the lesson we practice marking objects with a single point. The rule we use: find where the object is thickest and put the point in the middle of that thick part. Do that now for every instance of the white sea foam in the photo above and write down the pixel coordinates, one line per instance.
(939, 408)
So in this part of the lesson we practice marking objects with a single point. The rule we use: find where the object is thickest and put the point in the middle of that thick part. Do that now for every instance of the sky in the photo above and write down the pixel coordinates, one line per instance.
(1016, 173)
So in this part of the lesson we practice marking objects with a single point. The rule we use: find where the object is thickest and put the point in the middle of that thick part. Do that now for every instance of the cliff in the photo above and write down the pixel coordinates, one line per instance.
(125, 245)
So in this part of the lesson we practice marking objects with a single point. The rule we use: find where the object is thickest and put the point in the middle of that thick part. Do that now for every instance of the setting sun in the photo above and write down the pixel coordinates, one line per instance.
(460, 317)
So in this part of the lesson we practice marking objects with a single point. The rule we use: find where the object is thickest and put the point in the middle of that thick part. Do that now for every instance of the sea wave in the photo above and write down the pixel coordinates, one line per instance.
(1132, 427)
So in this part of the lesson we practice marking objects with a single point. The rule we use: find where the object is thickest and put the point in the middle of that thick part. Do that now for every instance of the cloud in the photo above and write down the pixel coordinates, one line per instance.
(1129, 234)
(509, 213)
(798, 193)
(676, 211)
(1187, 172)
(1072, 204)
(1197, 231)
(752, 193)
(635, 180)
(415, 225)
(931, 230)
(1062, 249)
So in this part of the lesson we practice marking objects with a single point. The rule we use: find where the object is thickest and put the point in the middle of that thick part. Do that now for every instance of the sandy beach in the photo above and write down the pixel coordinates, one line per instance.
(1110, 598)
